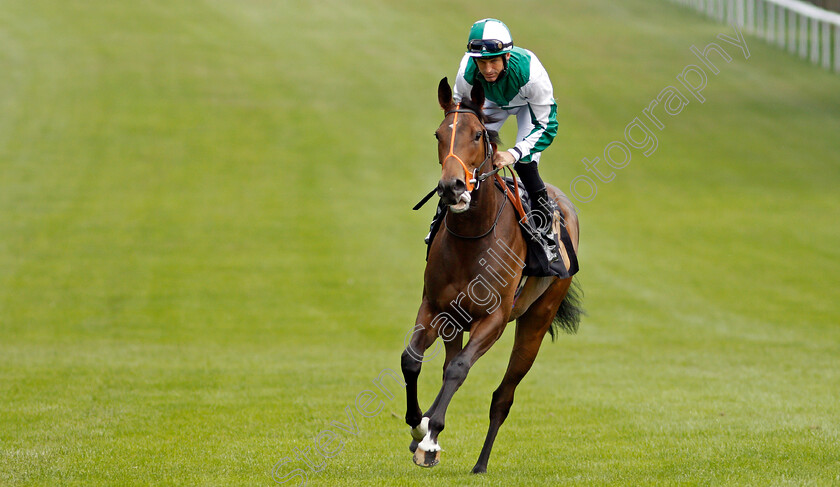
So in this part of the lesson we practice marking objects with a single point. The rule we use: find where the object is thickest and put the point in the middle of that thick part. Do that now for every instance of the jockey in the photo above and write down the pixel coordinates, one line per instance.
(515, 83)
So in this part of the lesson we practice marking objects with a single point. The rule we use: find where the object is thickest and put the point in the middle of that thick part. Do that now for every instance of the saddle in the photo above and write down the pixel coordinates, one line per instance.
(536, 264)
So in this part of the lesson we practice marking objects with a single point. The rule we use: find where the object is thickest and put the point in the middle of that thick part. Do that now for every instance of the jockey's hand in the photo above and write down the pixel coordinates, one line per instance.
(502, 159)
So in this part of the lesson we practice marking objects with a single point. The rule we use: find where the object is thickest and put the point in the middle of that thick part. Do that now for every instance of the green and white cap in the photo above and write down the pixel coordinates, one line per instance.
(489, 38)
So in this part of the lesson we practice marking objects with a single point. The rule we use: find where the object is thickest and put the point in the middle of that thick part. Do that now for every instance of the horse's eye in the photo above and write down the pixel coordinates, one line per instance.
(477, 136)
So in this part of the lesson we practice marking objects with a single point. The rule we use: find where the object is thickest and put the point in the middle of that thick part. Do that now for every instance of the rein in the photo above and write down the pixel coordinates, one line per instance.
(476, 237)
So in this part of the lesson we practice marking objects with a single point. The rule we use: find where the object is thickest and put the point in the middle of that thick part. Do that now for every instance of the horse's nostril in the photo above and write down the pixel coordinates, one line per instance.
(451, 189)
(441, 188)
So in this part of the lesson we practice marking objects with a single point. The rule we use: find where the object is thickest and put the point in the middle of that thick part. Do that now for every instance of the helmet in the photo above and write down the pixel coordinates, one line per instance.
(489, 38)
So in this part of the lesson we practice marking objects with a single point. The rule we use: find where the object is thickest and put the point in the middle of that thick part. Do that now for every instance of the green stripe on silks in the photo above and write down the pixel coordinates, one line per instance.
(548, 134)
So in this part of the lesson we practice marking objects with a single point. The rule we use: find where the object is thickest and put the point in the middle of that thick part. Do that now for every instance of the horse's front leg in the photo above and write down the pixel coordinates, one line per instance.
(453, 347)
(483, 335)
(420, 339)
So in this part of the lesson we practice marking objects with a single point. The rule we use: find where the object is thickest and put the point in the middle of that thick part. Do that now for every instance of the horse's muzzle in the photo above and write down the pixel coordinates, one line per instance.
(450, 190)
(453, 192)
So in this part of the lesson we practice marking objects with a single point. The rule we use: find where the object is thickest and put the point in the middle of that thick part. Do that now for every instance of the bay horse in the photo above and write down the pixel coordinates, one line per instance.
(473, 280)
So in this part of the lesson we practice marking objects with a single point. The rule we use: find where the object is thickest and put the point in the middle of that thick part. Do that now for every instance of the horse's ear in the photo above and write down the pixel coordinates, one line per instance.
(444, 94)
(477, 95)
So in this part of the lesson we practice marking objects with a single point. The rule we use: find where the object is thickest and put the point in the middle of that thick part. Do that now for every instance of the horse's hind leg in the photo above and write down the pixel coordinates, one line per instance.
(531, 328)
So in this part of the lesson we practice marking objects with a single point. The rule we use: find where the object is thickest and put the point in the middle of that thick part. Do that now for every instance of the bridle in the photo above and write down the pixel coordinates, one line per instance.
(477, 177)
(473, 179)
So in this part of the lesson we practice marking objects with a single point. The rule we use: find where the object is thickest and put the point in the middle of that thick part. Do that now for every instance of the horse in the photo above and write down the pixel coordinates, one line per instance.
(473, 279)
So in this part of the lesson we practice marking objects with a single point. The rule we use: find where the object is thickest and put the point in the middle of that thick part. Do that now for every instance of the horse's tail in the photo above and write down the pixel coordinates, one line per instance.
(570, 311)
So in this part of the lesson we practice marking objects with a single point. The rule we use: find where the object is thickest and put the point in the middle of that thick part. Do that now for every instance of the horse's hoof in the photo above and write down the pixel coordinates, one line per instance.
(427, 459)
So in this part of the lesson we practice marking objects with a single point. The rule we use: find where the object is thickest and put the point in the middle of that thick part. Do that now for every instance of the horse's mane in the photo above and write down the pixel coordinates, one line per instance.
(471, 105)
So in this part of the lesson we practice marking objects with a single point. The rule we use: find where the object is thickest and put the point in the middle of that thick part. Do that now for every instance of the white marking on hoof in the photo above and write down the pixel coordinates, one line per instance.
(428, 444)
(427, 453)
(421, 430)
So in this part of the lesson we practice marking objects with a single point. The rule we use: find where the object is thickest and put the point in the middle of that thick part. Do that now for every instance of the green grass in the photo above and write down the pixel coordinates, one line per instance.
(207, 250)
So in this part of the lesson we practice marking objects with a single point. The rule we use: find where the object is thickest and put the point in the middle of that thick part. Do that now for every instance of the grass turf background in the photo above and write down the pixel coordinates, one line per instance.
(207, 249)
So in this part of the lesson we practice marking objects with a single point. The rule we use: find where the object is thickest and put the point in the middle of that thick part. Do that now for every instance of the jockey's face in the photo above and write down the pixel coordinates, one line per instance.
(491, 67)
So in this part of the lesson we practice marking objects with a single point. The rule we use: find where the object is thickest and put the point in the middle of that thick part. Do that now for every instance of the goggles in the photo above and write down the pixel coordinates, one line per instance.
(487, 45)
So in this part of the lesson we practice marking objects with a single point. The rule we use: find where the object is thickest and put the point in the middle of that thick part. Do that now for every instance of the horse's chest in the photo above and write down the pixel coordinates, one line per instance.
(471, 296)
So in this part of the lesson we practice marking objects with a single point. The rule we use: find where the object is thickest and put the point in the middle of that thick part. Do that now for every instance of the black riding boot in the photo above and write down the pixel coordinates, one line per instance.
(542, 208)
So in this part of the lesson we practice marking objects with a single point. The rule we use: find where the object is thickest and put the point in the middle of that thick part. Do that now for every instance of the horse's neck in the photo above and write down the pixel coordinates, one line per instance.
(455, 262)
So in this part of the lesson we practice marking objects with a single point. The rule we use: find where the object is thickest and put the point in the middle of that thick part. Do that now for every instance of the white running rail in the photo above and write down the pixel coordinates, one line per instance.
(800, 28)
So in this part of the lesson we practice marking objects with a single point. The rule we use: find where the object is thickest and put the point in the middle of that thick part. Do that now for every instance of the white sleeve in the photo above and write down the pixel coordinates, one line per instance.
(462, 88)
